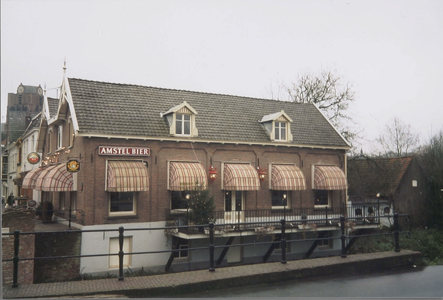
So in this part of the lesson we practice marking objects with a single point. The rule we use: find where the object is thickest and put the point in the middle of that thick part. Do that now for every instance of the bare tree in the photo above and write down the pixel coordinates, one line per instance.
(398, 138)
(327, 91)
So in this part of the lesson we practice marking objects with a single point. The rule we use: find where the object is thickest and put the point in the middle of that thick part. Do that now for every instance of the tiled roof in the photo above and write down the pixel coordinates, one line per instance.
(369, 176)
(53, 106)
(122, 109)
(35, 123)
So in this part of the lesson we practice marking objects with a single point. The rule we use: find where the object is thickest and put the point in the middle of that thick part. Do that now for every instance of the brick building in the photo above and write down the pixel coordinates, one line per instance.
(142, 149)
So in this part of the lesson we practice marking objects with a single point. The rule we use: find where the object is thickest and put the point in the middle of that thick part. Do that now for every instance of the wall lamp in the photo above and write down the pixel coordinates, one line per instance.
(212, 173)
(262, 173)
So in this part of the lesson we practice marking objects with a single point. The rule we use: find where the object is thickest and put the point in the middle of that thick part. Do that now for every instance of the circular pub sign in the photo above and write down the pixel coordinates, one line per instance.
(33, 158)
(32, 203)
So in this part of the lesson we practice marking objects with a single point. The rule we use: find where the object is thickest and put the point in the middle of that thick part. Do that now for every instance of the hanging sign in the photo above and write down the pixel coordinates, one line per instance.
(126, 151)
(73, 166)
(33, 158)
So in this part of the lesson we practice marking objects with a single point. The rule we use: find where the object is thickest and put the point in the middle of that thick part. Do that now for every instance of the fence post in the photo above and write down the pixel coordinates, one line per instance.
(343, 237)
(326, 213)
(211, 247)
(120, 253)
(283, 241)
(396, 233)
(15, 259)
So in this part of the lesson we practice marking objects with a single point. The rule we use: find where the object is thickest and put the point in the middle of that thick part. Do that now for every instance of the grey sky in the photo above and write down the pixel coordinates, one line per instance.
(390, 51)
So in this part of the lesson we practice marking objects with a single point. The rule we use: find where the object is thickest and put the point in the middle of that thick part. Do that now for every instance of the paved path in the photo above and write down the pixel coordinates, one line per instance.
(183, 282)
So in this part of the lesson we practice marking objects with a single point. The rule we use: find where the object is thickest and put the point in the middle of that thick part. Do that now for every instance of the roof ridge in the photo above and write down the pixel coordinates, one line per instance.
(189, 91)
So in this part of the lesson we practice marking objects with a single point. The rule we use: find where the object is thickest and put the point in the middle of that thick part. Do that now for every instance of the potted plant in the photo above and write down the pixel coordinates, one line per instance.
(201, 208)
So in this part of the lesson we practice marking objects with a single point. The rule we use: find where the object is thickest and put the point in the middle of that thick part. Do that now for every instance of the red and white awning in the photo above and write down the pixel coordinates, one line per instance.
(240, 177)
(41, 176)
(329, 178)
(30, 180)
(127, 176)
(58, 179)
(186, 176)
(287, 178)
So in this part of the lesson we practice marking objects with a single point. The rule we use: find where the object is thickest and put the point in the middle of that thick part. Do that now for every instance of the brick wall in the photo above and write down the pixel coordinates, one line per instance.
(22, 220)
(57, 244)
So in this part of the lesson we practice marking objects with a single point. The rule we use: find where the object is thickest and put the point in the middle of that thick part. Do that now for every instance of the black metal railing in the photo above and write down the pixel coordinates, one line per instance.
(282, 225)
(250, 219)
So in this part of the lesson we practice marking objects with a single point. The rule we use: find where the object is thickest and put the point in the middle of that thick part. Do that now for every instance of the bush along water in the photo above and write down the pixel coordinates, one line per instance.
(427, 241)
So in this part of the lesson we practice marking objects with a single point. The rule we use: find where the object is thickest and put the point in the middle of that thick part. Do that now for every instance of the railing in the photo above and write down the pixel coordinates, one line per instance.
(211, 246)
(60, 213)
(250, 219)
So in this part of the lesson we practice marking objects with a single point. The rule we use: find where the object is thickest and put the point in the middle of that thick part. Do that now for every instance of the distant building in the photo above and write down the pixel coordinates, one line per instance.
(394, 184)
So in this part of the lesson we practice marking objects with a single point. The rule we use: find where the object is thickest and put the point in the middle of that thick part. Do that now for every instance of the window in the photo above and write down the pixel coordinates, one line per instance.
(414, 183)
(122, 203)
(280, 131)
(59, 137)
(182, 124)
(71, 134)
(234, 201)
(73, 201)
(280, 199)
(115, 248)
(326, 243)
(179, 199)
(50, 141)
(321, 197)
(61, 201)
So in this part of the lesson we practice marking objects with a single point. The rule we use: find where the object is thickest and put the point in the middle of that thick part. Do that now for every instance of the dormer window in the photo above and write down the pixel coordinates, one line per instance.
(182, 124)
(181, 119)
(277, 126)
(280, 131)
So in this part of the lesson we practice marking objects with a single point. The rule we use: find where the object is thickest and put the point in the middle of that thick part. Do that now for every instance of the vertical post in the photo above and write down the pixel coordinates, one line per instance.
(120, 253)
(70, 216)
(326, 213)
(15, 259)
(343, 237)
(283, 241)
(396, 233)
(211, 247)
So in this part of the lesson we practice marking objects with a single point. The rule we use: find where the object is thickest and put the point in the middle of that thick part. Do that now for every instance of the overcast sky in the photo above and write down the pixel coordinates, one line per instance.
(390, 51)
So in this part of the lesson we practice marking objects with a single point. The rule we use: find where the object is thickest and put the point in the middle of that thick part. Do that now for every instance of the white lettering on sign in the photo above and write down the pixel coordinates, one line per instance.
(129, 151)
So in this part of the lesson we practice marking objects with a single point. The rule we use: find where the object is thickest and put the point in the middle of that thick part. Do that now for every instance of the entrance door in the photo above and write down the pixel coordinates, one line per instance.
(234, 206)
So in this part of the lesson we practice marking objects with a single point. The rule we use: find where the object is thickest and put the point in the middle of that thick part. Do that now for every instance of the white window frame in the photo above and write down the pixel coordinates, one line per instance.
(123, 213)
(114, 247)
(278, 127)
(288, 202)
(182, 121)
(59, 137)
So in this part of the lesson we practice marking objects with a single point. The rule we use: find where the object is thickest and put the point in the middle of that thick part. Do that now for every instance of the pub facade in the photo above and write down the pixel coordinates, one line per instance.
(140, 151)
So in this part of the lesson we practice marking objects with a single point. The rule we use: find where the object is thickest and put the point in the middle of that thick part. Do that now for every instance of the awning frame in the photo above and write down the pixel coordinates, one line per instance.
(271, 179)
(223, 187)
(122, 160)
(205, 178)
(314, 187)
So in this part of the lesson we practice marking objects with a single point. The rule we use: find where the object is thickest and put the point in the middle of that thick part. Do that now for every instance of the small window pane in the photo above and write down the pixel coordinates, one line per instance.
(187, 128)
(321, 197)
(278, 198)
(228, 201)
(283, 134)
(178, 127)
(187, 117)
(122, 201)
(178, 200)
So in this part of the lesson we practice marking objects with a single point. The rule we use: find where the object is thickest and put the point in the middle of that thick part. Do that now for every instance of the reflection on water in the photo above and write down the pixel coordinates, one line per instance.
(404, 282)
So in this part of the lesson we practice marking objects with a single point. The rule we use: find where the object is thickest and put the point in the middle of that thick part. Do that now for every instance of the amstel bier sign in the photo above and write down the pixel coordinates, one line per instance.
(124, 151)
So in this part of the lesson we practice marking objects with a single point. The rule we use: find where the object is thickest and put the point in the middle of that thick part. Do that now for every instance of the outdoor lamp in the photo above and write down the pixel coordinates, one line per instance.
(212, 173)
(187, 196)
(262, 173)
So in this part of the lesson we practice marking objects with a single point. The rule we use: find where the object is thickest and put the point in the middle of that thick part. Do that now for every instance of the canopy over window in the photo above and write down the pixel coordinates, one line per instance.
(287, 178)
(329, 178)
(58, 179)
(30, 180)
(41, 176)
(240, 177)
(127, 176)
(185, 176)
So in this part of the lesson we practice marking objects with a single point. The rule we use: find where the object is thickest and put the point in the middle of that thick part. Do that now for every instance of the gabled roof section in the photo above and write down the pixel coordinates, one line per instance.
(34, 124)
(122, 110)
(180, 108)
(275, 116)
(369, 176)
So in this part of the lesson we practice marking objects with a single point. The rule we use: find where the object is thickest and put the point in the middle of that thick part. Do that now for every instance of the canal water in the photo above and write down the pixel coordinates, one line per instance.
(403, 282)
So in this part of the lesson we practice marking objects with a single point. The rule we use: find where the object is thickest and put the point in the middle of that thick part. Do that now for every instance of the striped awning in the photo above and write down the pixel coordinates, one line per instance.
(329, 178)
(185, 176)
(41, 176)
(240, 177)
(287, 178)
(58, 179)
(127, 176)
(30, 180)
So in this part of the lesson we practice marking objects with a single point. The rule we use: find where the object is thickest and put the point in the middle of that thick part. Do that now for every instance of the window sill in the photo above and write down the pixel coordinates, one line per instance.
(280, 209)
(122, 217)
